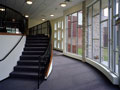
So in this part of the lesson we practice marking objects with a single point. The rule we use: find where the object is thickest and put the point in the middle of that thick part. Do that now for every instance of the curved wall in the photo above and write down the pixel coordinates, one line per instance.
(7, 42)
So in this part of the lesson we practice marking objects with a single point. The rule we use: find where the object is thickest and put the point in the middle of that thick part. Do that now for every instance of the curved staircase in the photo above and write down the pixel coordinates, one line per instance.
(28, 65)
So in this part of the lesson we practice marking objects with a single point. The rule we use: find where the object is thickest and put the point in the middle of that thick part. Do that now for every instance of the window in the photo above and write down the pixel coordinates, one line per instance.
(101, 36)
(55, 26)
(55, 43)
(74, 33)
(79, 33)
(58, 34)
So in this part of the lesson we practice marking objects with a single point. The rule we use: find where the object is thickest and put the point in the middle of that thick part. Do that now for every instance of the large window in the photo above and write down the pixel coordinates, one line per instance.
(74, 33)
(58, 34)
(101, 35)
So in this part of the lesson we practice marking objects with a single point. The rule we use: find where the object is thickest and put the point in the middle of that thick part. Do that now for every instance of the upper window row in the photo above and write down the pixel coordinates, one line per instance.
(58, 25)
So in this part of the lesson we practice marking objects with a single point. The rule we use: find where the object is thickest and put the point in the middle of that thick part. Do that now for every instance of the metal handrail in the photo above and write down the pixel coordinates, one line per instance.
(47, 52)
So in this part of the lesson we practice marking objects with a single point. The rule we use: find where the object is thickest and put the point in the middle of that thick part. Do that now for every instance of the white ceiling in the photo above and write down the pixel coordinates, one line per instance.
(40, 8)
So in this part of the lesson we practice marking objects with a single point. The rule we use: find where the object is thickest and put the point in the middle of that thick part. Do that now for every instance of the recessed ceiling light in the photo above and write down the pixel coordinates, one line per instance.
(43, 19)
(13, 20)
(29, 2)
(26, 16)
(52, 15)
(63, 4)
(2, 9)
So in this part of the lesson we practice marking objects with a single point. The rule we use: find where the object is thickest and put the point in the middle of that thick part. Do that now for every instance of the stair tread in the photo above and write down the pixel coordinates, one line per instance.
(23, 66)
(30, 55)
(33, 51)
(25, 73)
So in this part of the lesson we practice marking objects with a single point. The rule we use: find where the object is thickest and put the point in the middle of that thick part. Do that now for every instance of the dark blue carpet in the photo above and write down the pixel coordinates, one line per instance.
(67, 74)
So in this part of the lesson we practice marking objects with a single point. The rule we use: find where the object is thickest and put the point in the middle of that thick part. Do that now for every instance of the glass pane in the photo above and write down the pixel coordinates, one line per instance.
(62, 34)
(90, 16)
(62, 44)
(55, 34)
(55, 26)
(80, 33)
(104, 42)
(90, 42)
(117, 6)
(80, 18)
(59, 24)
(117, 58)
(104, 9)
(96, 38)
(59, 35)
(58, 45)
(62, 24)
(96, 8)
(74, 17)
(74, 38)
(68, 33)
(55, 43)
(69, 40)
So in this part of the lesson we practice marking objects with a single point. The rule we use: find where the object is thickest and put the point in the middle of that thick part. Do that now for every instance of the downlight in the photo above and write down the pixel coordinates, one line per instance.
(2, 9)
(29, 2)
(43, 19)
(52, 15)
(26, 16)
(63, 4)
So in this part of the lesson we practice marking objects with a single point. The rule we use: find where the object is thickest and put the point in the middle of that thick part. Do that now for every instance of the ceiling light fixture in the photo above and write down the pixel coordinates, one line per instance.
(63, 4)
(29, 2)
(52, 15)
(26, 16)
(43, 19)
(2, 9)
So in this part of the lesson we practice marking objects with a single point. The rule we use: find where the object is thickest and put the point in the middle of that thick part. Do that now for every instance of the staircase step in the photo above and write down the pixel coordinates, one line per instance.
(31, 62)
(28, 68)
(36, 45)
(33, 53)
(37, 41)
(25, 75)
(29, 57)
(35, 48)
(38, 38)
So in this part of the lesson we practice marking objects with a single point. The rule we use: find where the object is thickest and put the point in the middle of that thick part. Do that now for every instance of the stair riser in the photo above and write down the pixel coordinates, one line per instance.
(29, 39)
(28, 69)
(28, 45)
(29, 58)
(37, 41)
(26, 76)
(32, 53)
(31, 63)
(34, 49)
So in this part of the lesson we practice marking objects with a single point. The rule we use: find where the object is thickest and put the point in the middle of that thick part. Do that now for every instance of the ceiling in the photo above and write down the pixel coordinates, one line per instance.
(40, 8)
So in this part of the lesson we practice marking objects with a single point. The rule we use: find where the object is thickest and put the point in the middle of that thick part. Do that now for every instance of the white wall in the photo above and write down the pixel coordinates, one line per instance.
(6, 43)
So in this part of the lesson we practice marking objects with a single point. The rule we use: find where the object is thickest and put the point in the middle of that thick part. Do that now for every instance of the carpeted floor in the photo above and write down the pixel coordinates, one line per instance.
(67, 74)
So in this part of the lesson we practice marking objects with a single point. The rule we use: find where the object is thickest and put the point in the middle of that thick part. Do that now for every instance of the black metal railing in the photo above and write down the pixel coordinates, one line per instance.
(47, 54)
(12, 21)
(42, 28)
(46, 30)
